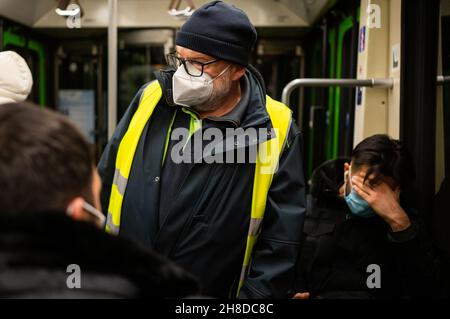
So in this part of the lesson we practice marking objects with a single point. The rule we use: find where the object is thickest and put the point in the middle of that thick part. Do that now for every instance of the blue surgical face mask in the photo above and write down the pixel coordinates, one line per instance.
(358, 205)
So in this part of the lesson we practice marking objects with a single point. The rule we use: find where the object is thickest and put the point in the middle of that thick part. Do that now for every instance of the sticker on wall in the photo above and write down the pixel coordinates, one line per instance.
(359, 96)
(396, 57)
(362, 39)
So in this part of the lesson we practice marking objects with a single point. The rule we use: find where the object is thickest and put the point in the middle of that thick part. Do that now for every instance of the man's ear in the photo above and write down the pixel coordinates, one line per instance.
(346, 167)
(75, 209)
(238, 72)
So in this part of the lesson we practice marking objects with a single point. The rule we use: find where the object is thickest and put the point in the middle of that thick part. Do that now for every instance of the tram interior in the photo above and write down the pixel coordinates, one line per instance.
(90, 66)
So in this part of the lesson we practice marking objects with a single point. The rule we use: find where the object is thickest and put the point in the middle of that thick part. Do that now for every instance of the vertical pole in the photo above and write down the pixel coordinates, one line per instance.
(101, 137)
(112, 67)
(1, 34)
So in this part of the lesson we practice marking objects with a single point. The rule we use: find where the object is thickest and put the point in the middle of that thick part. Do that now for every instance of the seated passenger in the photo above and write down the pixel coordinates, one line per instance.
(360, 239)
(15, 78)
(51, 244)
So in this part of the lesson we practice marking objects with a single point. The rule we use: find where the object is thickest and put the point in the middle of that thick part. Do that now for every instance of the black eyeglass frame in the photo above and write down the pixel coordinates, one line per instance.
(172, 57)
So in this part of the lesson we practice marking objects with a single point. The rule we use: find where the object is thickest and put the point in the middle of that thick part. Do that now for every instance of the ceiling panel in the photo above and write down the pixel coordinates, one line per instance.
(153, 13)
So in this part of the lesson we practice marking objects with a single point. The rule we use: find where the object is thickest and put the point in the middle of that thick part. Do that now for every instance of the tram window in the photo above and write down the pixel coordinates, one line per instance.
(347, 98)
(76, 93)
(136, 67)
(78, 73)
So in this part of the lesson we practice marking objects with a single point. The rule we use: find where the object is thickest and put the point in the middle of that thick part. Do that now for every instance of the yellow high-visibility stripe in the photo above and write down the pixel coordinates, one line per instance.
(127, 148)
(194, 125)
(169, 132)
(267, 160)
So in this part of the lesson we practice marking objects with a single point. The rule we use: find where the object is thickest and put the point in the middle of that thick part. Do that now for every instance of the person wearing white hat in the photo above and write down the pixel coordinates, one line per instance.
(15, 78)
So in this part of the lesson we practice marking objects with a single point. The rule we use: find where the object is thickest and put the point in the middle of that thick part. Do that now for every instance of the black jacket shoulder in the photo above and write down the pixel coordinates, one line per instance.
(40, 251)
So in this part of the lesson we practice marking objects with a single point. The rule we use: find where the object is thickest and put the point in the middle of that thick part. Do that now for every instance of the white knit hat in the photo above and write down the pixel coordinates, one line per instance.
(15, 78)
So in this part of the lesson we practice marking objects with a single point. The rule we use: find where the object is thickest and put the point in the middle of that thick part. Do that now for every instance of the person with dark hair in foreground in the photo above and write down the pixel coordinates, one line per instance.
(360, 240)
(51, 241)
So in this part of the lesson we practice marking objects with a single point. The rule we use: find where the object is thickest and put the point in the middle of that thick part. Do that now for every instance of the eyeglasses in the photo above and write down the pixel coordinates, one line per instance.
(192, 67)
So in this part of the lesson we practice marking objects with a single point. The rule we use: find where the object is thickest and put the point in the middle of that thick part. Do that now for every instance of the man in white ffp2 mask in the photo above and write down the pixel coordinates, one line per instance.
(201, 213)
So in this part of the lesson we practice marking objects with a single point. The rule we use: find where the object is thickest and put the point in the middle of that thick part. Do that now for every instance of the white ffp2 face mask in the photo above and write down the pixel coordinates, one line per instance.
(190, 90)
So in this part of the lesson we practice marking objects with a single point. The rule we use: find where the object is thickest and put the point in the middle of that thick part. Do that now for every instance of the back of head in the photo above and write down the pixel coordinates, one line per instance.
(384, 157)
(15, 78)
(44, 160)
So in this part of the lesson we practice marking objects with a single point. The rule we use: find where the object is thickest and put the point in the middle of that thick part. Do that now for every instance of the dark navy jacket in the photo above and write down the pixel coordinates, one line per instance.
(206, 224)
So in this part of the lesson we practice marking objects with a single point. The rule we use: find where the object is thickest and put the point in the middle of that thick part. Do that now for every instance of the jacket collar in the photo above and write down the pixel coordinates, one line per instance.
(51, 240)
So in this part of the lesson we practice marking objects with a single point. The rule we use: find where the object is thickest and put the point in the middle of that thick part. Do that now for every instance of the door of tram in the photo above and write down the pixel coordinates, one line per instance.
(79, 88)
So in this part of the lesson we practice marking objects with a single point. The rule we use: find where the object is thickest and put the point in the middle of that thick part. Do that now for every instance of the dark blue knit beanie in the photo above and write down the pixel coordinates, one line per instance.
(219, 30)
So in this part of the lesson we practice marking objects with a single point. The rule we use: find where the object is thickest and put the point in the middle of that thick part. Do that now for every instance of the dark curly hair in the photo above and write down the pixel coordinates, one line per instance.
(44, 160)
(384, 157)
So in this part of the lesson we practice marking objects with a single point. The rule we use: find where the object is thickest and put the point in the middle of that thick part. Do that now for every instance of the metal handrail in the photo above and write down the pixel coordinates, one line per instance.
(374, 82)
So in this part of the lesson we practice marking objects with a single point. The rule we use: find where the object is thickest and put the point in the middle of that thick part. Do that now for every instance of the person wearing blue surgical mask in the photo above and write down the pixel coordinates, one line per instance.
(369, 196)
(361, 238)
(358, 205)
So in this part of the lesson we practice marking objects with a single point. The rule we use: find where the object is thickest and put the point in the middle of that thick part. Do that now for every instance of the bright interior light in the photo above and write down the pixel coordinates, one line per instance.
(67, 12)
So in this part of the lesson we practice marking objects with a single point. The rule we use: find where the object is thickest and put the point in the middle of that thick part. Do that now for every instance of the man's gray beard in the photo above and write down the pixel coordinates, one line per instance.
(218, 97)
